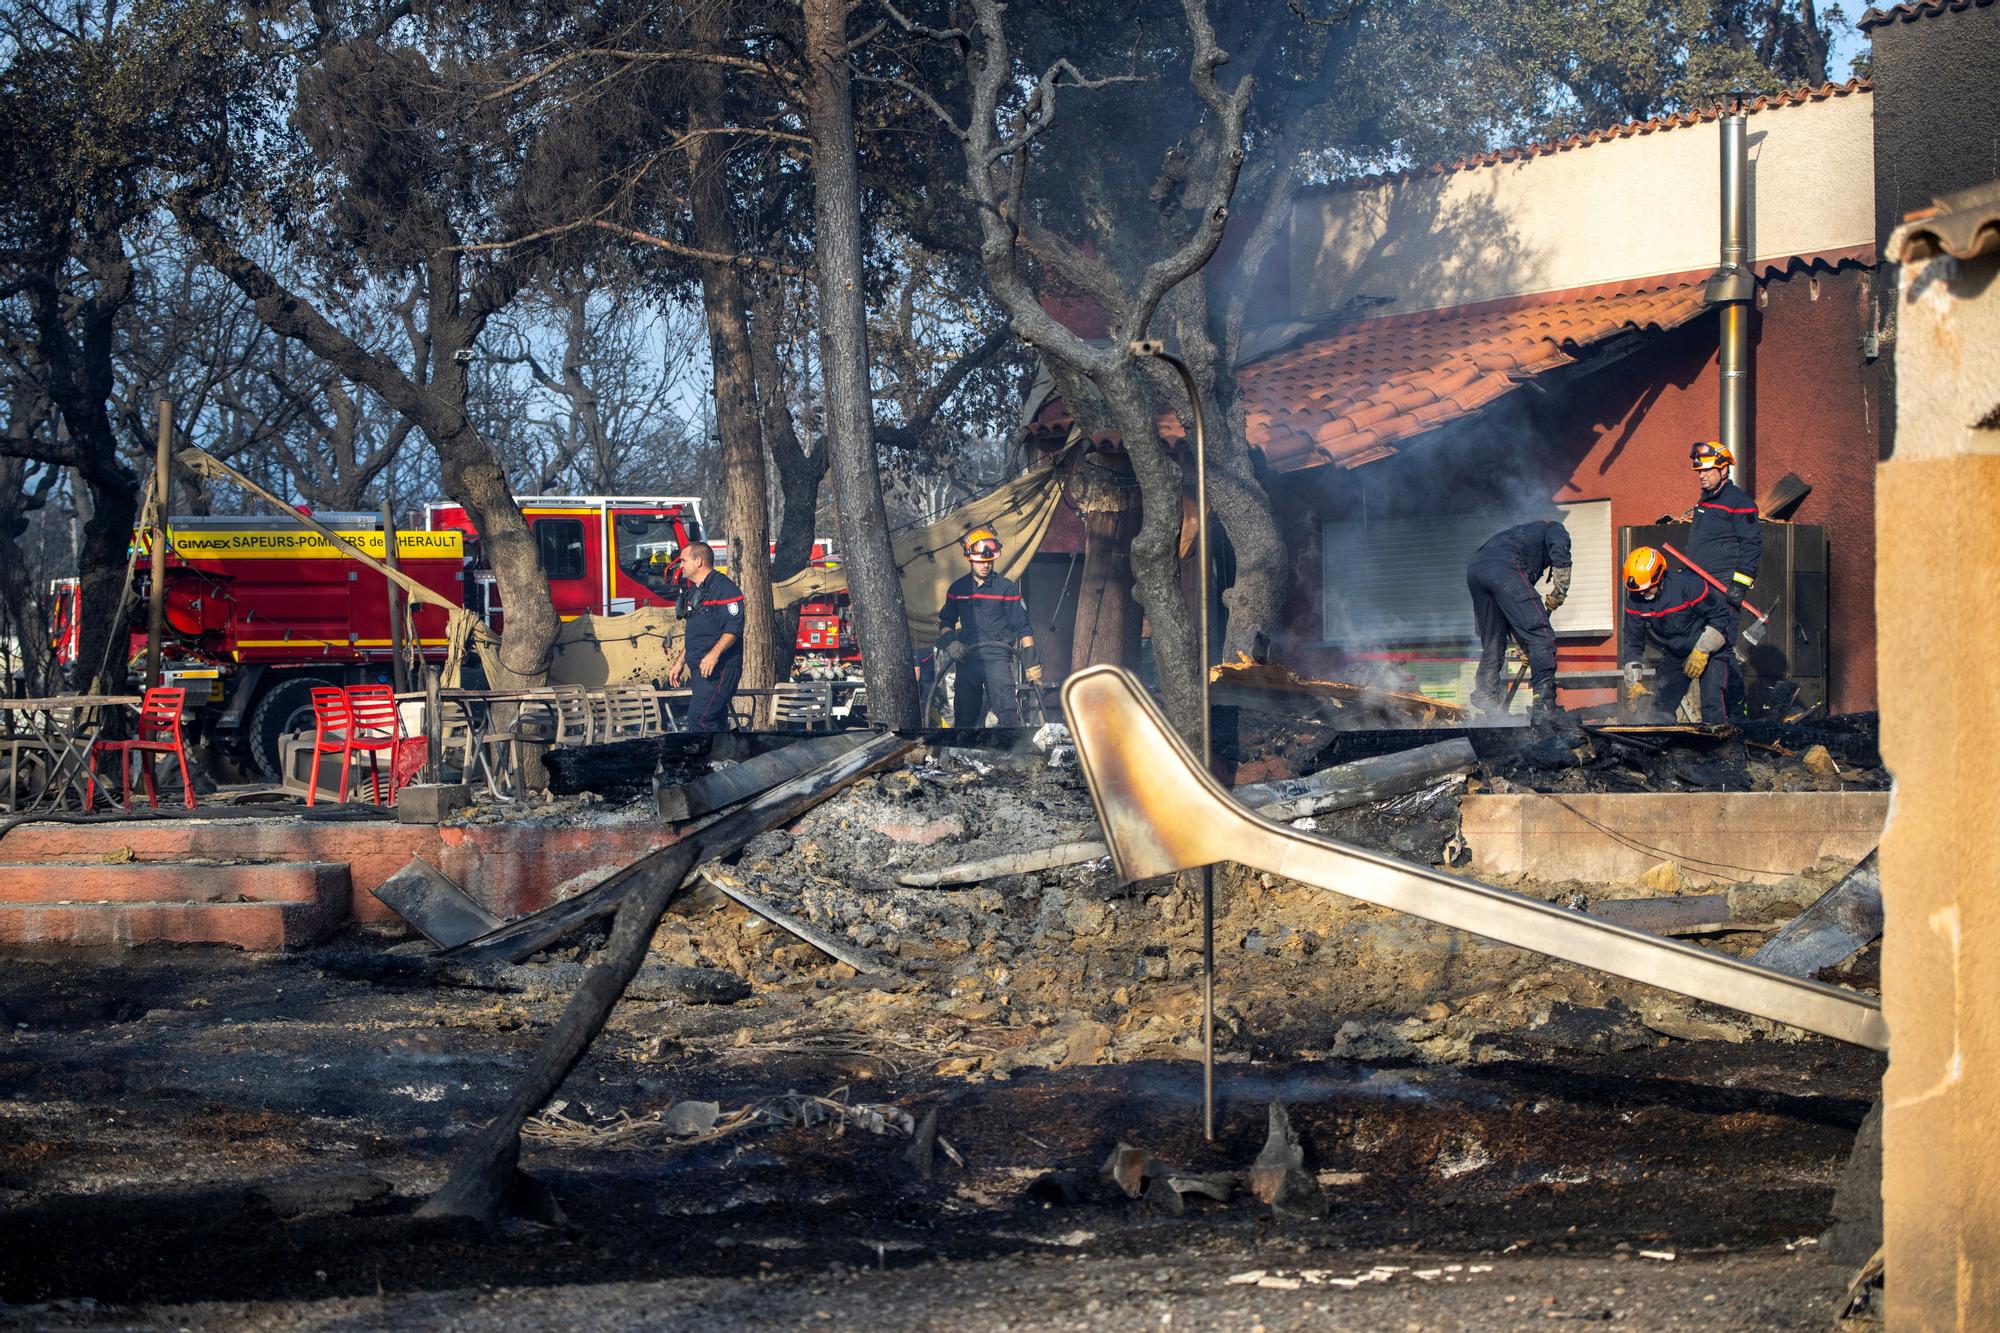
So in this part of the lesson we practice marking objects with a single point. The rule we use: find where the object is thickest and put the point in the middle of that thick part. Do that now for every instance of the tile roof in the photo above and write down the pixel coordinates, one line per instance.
(1631, 129)
(1922, 9)
(1964, 225)
(1349, 397)
(1352, 392)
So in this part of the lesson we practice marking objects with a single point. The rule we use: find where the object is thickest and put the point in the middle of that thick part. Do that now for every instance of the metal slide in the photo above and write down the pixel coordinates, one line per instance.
(1161, 813)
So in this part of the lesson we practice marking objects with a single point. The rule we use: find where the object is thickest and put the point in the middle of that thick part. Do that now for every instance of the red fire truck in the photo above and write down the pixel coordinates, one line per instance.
(265, 609)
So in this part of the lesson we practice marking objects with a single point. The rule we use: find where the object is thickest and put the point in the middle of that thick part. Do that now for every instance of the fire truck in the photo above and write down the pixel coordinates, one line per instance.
(261, 610)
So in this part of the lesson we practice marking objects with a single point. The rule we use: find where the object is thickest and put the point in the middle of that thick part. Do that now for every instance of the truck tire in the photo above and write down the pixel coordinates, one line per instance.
(285, 707)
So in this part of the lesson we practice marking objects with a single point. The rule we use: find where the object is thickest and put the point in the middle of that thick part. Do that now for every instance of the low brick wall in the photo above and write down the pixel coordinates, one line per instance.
(1758, 837)
(510, 868)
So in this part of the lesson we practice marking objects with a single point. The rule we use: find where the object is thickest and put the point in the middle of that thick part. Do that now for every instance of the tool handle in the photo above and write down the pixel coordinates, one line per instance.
(1711, 580)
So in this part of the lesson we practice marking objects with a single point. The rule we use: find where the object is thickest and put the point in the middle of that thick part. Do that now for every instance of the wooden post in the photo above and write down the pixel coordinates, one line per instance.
(400, 673)
(156, 607)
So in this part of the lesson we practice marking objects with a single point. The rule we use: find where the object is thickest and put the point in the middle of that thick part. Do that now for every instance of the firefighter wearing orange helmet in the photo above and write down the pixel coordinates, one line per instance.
(981, 622)
(1727, 542)
(1686, 619)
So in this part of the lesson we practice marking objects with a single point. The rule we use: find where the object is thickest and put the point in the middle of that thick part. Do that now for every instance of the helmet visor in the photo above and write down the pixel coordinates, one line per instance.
(982, 550)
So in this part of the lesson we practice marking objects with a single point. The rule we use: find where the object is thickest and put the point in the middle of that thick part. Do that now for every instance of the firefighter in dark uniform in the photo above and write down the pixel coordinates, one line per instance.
(1688, 619)
(710, 606)
(982, 620)
(1501, 577)
(1726, 542)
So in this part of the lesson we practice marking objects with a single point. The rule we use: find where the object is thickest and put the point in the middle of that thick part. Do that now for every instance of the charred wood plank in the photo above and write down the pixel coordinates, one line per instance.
(427, 898)
(1667, 916)
(529, 935)
(855, 958)
(726, 786)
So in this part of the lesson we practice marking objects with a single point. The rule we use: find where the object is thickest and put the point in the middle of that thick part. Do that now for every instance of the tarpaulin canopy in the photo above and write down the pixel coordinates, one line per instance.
(1019, 513)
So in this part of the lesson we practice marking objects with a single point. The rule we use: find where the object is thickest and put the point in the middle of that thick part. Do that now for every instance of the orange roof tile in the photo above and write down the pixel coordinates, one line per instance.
(1371, 383)
(1352, 394)
(1907, 13)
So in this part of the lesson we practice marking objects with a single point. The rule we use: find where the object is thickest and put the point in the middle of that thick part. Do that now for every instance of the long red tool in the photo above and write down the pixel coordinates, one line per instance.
(1755, 634)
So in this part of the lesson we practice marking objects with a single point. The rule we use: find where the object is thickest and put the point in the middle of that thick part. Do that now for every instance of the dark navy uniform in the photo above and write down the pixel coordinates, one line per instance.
(1727, 542)
(1674, 620)
(1501, 578)
(707, 613)
(989, 619)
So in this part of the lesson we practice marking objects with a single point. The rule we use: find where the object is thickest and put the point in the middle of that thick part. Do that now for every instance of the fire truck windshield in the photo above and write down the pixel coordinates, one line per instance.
(647, 549)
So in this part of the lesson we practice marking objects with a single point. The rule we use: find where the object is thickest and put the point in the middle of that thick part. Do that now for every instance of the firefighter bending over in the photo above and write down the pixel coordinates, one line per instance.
(982, 619)
(1686, 618)
(1501, 577)
(711, 610)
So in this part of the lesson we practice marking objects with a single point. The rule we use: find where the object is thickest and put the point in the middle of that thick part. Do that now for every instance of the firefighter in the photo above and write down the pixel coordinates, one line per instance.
(710, 606)
(1501, 578)
(1726, 542)
(1688, 619)
(982, 620)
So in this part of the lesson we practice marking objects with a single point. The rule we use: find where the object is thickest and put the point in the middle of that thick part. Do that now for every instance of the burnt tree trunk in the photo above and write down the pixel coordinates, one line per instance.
(1107, 619)
(76, 340)
(470, 472)
(799, 470)
(881, 620)
(746, 504)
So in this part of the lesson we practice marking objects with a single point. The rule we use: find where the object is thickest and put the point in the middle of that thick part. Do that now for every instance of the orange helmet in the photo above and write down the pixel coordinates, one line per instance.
(980, 544)
(1710, 453)
(1644, 569)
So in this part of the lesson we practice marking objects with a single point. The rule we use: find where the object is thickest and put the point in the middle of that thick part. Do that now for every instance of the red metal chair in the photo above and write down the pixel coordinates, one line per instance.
(376, 729)
(159, 732)
(331, 723)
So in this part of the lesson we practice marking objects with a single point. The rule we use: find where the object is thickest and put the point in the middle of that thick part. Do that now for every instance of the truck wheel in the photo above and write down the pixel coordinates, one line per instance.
(285, 707)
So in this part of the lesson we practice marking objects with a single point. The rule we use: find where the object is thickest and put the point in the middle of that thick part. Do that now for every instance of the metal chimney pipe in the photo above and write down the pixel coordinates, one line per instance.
(1732, 288)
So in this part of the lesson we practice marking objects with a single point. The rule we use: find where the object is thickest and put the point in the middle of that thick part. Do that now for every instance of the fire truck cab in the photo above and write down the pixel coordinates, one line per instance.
(603, 555)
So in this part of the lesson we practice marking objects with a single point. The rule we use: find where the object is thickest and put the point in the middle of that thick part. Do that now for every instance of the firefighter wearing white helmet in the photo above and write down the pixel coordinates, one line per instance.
(980, 625)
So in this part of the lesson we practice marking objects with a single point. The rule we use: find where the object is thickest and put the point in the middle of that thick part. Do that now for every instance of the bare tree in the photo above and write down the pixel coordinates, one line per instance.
(999, 128)
(881, 624)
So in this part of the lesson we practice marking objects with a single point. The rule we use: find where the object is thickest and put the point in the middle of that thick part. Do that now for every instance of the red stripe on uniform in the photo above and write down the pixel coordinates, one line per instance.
(1727, 509)
(723, 601)
(986, 597)
(1670, 610)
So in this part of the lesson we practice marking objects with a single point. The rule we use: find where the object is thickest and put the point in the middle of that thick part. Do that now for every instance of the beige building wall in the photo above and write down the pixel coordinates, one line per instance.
(1624, 208)
(1938, 619)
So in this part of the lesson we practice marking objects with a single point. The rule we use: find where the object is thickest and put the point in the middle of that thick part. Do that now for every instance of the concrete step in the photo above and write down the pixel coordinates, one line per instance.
(323, 882)
(264, 927)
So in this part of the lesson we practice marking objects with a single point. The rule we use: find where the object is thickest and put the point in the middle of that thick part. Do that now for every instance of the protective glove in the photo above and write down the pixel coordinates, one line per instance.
(955, 650)
(1736, 590)
(1034, 673)
(1710, 640)
(1552, 601)
(1697, 662)
(1634, 673)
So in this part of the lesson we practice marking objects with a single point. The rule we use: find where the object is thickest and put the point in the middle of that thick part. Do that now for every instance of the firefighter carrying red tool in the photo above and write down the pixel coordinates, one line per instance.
(982, 619)
(1685, 617)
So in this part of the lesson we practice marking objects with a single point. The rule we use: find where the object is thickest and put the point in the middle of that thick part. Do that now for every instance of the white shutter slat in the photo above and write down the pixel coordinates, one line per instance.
(1401, 581)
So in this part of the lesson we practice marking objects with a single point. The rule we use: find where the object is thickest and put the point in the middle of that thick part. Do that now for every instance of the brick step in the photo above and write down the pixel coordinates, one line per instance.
(323, 882)
(263, 927)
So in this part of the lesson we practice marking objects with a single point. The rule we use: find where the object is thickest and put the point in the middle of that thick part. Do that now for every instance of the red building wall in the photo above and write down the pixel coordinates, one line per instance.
(1622, 434)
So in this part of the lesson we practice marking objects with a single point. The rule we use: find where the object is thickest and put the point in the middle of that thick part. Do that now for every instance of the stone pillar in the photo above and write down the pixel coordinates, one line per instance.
(1938, 634)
